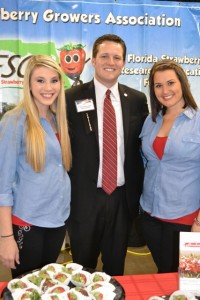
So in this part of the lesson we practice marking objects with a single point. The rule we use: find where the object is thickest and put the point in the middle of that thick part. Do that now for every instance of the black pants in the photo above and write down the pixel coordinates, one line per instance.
(38, 246)
(162, 239)
(105, 232)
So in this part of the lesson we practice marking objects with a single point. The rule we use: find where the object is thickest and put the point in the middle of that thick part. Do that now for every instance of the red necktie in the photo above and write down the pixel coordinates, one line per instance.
(109, 167)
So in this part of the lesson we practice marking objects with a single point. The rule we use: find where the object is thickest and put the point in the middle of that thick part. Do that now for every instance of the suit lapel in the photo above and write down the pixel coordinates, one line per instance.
(90, 117)
(125, 104)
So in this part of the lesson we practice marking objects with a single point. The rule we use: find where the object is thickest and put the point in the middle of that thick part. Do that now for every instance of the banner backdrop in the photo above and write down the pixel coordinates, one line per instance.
(67, 29)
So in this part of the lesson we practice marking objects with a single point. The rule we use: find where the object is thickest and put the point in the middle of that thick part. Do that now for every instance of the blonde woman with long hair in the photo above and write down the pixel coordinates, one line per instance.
(35, 153)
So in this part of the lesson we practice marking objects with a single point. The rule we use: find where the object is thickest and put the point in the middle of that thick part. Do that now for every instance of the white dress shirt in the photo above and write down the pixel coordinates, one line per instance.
(100, 91)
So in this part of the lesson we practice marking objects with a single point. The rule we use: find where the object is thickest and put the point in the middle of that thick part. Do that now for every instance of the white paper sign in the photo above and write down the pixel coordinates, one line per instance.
(189, 262)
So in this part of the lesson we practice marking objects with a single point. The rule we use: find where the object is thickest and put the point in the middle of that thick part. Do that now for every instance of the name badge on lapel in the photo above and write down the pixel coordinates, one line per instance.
(84, 105)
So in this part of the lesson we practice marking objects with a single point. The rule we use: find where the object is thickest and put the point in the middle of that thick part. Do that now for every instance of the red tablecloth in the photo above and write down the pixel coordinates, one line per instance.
(2, 286)
(141, 287)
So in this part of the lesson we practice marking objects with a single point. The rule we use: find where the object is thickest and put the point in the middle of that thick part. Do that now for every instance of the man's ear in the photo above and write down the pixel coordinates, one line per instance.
(93, 61)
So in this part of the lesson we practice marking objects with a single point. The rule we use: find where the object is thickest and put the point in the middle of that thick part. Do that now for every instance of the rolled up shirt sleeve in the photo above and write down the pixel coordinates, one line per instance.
(9, 143)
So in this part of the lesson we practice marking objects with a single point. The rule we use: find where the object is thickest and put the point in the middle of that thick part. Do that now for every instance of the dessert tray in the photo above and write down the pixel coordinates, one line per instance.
(64, 282)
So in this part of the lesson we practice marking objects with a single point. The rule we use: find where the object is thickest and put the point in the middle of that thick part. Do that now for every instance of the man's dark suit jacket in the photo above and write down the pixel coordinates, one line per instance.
(83, 128)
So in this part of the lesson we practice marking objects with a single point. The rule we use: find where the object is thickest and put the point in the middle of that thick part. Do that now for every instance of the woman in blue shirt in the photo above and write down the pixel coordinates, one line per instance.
(35, 159)
(171, 150)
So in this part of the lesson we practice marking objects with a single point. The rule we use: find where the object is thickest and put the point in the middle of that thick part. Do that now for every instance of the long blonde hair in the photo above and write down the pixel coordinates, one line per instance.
(35, 139)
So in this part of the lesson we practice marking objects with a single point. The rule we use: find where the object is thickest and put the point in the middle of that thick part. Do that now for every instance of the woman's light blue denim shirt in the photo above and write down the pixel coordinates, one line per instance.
(172, 185)
(41, 199)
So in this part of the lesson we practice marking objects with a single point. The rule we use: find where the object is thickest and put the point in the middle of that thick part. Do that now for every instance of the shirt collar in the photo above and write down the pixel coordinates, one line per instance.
(189, 112)
(102, 89)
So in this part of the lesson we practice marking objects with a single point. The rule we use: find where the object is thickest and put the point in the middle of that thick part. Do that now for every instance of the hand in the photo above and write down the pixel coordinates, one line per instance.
(9, 252)
(195, 228)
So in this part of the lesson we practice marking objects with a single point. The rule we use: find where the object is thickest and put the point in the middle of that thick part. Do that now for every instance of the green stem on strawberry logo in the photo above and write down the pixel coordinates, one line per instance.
(70, 46)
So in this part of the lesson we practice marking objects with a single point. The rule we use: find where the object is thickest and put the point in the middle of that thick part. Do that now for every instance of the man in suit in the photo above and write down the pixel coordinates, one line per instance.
(100, 220)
